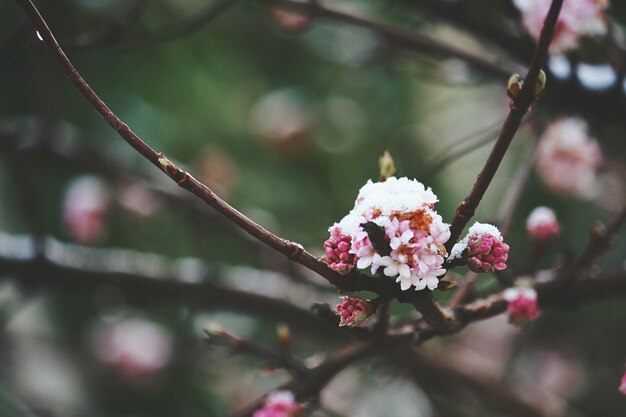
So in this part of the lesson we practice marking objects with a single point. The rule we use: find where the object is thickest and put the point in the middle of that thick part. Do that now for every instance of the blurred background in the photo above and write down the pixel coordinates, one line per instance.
(284, 114)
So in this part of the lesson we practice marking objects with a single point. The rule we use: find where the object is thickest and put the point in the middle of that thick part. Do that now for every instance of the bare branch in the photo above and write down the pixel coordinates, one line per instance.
(519, 107)
(398, 37)
(290, 249)
(273, 357)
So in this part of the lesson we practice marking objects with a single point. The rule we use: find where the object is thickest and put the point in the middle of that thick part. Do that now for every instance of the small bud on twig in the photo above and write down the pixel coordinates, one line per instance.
(283, 335)
(514, 86)
(387, 166)
(540, 85)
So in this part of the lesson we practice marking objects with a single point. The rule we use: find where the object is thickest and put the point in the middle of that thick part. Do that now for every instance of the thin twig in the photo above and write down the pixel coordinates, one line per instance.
(398, 37)
(140, 276)
(116, 30)
(273, 357)
(456, 150)
(185, 26)
(601, 240)
(290, 249)
(519, 107)
(514, 192)
(425, 368)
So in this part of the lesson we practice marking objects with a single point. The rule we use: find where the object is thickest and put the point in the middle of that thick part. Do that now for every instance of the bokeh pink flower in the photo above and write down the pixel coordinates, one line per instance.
(278, 404)
(568, 158)
(84, 208)
(542, 223)
(522, 305)
(577, 18)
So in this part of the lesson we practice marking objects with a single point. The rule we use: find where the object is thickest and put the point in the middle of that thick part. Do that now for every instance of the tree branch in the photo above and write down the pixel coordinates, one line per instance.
(398, 37)
(292, 250)
(519, 107)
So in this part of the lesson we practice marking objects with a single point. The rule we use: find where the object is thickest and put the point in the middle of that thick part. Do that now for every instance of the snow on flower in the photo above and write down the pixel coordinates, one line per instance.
(352, 311)
(84, 208)
(482, 249)
(622, 387)
(567, 158)
(137, 348)
(542, 223)
(278, 404)
(394, 228)
(522, 304)
(577, 18)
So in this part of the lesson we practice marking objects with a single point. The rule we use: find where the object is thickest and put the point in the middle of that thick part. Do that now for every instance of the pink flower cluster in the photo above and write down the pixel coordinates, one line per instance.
(542, 223)
(137, 348)
(353, 311)
(567, 158)
(622, 387)
(483, 249)
(84, 208)
(278, 404)
(577, 18)
(337, 250)
(522, 305)
(393, 227)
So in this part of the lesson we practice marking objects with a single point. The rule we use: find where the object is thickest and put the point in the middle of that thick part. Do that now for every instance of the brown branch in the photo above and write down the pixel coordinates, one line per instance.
(116, 31)
(75, 267)
(398, 37)
(514, 192)
(248, 347)
(519, 107)
(185, 26)
(456, 150)
(602, 238)
(309, 387)
(427, 368)
(290, 249)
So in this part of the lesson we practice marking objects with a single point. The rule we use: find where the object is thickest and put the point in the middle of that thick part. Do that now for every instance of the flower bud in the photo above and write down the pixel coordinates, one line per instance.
(482, 249)
(387, 166)
(540, 85)
(279, 404)
(337, 252)
(542, 223)
(522, 305)
(353, 311)
(514, 86)
(283, 335)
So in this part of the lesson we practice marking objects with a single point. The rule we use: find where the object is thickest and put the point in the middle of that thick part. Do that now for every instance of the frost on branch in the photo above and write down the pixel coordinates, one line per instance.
(567, 158)
(392, 228)
(482, 249)
(577, 18)
(542, 223)
(279, 404)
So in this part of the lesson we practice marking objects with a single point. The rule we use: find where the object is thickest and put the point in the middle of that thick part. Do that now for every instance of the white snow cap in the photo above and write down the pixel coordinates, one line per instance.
(476, 230)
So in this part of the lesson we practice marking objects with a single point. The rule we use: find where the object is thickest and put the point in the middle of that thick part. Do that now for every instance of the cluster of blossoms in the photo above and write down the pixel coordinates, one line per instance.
(577, 18)
(522, 304)
(482, 249)
(567, 158)
(394, 227)
(353, 311)
(279, 404)
(542, 223)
